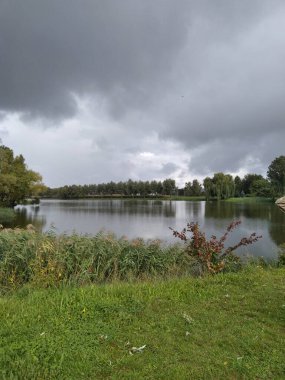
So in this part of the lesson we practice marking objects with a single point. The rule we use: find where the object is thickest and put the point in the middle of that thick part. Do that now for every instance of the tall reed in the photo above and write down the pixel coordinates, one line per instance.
(27, 256)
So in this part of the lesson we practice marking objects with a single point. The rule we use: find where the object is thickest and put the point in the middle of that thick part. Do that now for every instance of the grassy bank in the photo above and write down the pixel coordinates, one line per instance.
(249, 200)
(187, 198)
(229, 326)
(137, 197)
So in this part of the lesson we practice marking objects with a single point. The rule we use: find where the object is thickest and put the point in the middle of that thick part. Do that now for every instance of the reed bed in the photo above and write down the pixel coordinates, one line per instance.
(27, 256)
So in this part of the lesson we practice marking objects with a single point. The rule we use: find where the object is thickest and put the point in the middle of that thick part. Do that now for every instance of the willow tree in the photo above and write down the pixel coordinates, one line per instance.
(17, 182)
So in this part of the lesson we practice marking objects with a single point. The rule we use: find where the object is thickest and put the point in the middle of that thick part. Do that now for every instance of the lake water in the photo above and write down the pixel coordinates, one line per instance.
(151, 219)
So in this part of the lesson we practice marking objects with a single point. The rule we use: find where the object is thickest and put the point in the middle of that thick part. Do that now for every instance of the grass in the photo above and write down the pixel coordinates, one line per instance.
(229, 326)
(187, 198)
(147, 197)
(249, 200)
(7, 215)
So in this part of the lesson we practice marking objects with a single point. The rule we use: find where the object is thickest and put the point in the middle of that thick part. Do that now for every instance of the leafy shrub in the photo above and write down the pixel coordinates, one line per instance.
(211, 255)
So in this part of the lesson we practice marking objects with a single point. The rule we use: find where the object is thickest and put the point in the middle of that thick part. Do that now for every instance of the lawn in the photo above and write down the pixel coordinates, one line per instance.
(228, 326)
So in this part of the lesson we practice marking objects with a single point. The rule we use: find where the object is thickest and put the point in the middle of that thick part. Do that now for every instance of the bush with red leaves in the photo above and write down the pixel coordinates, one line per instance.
(211, 254)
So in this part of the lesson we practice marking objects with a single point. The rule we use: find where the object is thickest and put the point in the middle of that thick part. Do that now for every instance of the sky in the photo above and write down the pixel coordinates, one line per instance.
(94, 91)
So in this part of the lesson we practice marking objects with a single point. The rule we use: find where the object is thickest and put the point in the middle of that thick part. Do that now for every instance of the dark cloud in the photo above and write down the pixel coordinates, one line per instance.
(51, 49)
(207, 75)
(121, 50)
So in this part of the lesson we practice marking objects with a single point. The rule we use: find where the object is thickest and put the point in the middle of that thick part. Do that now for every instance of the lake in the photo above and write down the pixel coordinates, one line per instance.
(151, 219)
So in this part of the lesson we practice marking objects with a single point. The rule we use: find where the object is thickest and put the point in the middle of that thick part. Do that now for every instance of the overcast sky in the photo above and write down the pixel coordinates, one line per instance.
(93, 91)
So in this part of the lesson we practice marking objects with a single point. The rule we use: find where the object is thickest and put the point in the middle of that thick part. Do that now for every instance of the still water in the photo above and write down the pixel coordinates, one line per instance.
(151, 219)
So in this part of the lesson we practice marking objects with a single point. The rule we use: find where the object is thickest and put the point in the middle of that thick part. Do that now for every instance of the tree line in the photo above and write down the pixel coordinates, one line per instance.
(128, 188)
(220, 186)
(17, 183)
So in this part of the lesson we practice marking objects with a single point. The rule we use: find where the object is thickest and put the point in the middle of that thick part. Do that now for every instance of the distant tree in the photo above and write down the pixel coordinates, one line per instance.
(208, 188)
(248, 180)
(17, 182)
(196, 188)
(238, 186)
(261, 188)
(188, 189)
(169, 186)
(193, 188)
(154, 188)
(223, 185)
(276, 175)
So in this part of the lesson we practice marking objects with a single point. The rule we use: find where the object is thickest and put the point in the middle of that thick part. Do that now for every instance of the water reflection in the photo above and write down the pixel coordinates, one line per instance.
(150, 219)
(226, 210)
(130, 207)
(277, 232)
(31, 215)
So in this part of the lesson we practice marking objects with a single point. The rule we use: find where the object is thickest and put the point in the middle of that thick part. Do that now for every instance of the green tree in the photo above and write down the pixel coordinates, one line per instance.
(208, 188)
(223, 185)
(238, 186)
(261, 188)
(196, 188)
(248, 181)
(276, 175)
(169, 186)
(188, 188)
(17, 182)
(193, 189)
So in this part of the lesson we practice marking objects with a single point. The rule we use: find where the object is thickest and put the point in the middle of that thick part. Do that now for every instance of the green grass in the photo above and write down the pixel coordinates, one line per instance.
(147, 197)
(187, 198)
(229, 326)
(249, 200)
(7, 215)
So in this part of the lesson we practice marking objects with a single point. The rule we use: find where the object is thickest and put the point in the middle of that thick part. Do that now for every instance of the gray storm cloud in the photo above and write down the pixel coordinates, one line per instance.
(208, 74)
(117, 49)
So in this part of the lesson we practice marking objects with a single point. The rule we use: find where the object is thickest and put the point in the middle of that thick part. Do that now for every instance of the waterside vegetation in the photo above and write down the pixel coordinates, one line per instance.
(45, 259)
